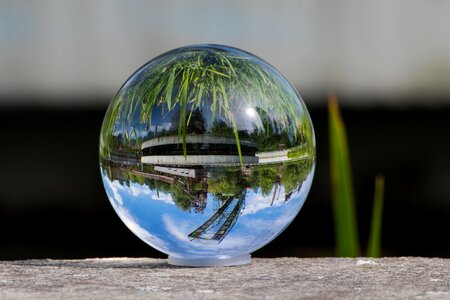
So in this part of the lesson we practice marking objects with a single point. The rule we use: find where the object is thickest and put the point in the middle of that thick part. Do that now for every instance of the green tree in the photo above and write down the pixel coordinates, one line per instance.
(264, 177)
(227, 183)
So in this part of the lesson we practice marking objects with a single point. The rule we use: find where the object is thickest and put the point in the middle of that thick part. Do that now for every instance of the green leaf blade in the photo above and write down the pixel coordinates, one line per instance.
(169, 88)
(346, 231)
(238, 142)
(374, 244)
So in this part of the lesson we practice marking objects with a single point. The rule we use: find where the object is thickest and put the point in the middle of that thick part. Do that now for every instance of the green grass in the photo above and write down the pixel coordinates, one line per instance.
(346, 229)
(297, 152)
(343, 199)
(374, 244)
(221, 81)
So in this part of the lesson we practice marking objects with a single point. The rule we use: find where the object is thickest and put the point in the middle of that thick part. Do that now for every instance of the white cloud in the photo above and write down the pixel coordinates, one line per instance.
(256, 201)
(166, 198)
(135, 189)
(177, 230)
(115, 186)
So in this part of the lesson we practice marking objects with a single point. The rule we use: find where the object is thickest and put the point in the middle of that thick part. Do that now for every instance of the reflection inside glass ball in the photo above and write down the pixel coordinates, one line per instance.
(207, 152)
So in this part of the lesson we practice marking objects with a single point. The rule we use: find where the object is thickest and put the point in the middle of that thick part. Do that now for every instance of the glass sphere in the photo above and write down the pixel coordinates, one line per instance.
(207, 153)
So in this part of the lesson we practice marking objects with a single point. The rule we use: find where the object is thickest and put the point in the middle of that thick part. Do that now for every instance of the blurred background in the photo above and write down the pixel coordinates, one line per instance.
(62, 61)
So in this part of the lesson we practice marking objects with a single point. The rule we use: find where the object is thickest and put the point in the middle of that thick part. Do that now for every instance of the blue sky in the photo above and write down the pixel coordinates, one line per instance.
(161, 224)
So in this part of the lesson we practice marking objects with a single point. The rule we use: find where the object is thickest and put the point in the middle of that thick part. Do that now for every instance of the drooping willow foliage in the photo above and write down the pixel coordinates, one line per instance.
(223, 81)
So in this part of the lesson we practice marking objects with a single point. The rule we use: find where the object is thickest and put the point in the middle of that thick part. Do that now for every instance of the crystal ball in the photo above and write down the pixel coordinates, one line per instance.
(207, 153)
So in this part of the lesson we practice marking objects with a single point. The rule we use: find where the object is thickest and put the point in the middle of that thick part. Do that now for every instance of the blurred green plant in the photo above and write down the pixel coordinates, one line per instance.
(343, 199)
(374, 244)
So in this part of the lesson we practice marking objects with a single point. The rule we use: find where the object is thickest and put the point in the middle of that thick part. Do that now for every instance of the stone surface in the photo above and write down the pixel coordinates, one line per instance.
(280, 278)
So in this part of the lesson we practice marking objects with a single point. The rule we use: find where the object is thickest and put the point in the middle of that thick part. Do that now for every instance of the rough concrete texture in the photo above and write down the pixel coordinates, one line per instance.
(280, 278)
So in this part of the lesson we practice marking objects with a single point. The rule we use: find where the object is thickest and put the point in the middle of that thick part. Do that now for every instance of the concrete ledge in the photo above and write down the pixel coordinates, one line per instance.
(280, 278)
